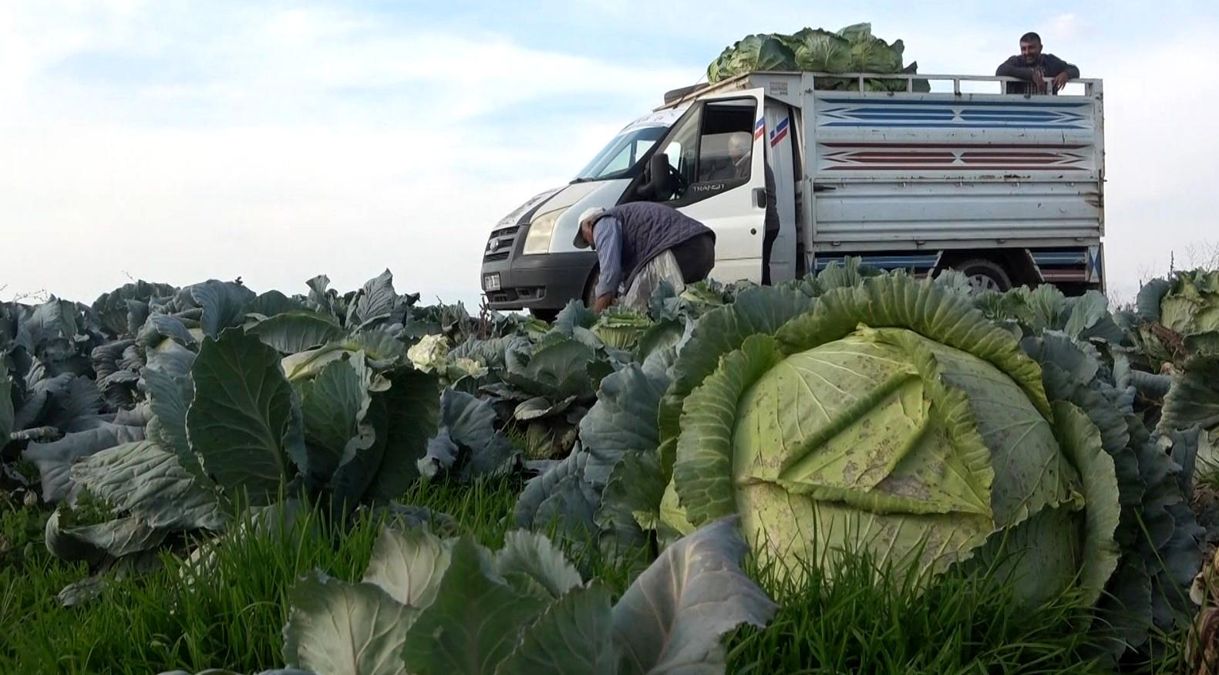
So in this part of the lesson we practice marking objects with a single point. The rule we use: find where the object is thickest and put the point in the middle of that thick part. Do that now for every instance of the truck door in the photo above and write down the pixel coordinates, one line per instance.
(780, 155)
(716, 153)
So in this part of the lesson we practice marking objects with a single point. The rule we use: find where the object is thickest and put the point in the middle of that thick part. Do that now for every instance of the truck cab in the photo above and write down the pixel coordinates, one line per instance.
(1007, 188)
(529, 262)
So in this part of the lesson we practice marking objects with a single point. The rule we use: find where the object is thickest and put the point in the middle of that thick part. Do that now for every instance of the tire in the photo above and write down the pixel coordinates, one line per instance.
(984, 274)
(590, 289)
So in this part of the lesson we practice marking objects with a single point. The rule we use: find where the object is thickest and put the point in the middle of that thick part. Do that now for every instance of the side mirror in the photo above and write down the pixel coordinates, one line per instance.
(661, 185)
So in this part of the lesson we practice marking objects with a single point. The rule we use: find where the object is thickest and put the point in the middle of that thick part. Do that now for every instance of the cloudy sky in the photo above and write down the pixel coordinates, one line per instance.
(177, 141)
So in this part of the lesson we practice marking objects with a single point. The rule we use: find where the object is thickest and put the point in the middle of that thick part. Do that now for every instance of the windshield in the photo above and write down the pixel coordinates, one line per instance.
(620, 154)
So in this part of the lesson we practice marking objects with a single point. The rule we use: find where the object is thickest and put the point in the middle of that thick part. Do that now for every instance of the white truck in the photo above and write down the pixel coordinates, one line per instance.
(1007, 188)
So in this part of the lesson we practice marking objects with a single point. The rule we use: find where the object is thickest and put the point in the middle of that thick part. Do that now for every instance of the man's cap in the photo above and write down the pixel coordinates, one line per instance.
(589, 215)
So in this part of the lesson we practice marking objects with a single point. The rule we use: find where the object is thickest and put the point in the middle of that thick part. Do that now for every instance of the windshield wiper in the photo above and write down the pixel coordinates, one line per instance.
(613, 175)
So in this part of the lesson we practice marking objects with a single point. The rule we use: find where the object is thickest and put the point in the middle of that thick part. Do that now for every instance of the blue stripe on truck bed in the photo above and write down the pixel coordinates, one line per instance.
(888, 262)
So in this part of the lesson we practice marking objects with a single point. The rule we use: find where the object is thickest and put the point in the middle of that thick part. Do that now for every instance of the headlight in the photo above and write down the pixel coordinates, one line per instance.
(540, 232)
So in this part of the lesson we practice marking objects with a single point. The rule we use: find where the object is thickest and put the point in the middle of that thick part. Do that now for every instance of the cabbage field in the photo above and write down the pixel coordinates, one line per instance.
(857, 471)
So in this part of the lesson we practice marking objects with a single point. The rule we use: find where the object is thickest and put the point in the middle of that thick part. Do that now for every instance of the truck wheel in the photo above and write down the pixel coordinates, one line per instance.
(984, 275)
(547, 315)
(590, 289)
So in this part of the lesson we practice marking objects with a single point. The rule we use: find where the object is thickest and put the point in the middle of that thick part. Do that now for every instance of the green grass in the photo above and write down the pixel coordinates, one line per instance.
(868, 619)
(231, 615)
(30, 577)
(161, 621)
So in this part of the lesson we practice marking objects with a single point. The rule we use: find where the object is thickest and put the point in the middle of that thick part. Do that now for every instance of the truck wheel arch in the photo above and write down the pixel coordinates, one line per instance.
(1007, 268)
(985, 274)
(590, 286)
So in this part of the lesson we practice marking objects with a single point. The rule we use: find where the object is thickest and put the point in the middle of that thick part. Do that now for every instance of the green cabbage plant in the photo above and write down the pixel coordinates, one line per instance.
(1175, 318)
(1175, 331)
(431, 605)
(853, 49)
(893, 417)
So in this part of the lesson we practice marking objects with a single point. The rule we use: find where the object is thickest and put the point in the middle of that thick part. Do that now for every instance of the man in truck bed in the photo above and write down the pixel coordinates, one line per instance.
(641, 243)
(1037, 69)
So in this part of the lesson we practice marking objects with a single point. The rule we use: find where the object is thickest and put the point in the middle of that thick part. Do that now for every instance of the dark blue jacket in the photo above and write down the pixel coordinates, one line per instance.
(649, 229)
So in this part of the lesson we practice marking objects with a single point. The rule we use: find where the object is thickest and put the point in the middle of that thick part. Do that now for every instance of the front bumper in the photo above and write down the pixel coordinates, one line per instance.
(545, 281)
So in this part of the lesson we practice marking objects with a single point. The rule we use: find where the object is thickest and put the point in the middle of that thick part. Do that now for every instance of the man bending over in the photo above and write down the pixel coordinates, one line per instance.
(639, 244)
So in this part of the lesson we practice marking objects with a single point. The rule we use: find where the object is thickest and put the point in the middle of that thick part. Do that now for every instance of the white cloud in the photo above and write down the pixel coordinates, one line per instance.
(1063, 28)
(1161, 200)
(290, 142)
(413, 184)
(274, 206)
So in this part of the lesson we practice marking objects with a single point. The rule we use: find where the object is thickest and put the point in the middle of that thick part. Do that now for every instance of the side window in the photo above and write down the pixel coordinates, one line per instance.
(682, 149)
(714, 142)
(726, 142)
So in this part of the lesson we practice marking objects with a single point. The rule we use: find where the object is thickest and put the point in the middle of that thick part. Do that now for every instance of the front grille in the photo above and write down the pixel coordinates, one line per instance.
(522, 294)
(506, 295)
(500, 243)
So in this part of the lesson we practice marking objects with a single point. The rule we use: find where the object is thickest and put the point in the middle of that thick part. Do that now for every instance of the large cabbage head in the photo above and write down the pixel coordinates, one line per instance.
(1191, 304)
(1177, 317)
(621, 328)
(893, 418)
(853, 49)
(753, 52)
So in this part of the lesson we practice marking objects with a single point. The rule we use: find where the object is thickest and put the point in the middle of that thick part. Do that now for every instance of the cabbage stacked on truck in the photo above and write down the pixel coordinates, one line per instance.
(853, 49)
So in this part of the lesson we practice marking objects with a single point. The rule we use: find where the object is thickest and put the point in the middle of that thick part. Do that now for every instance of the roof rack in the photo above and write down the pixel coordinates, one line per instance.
(1091, 85)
